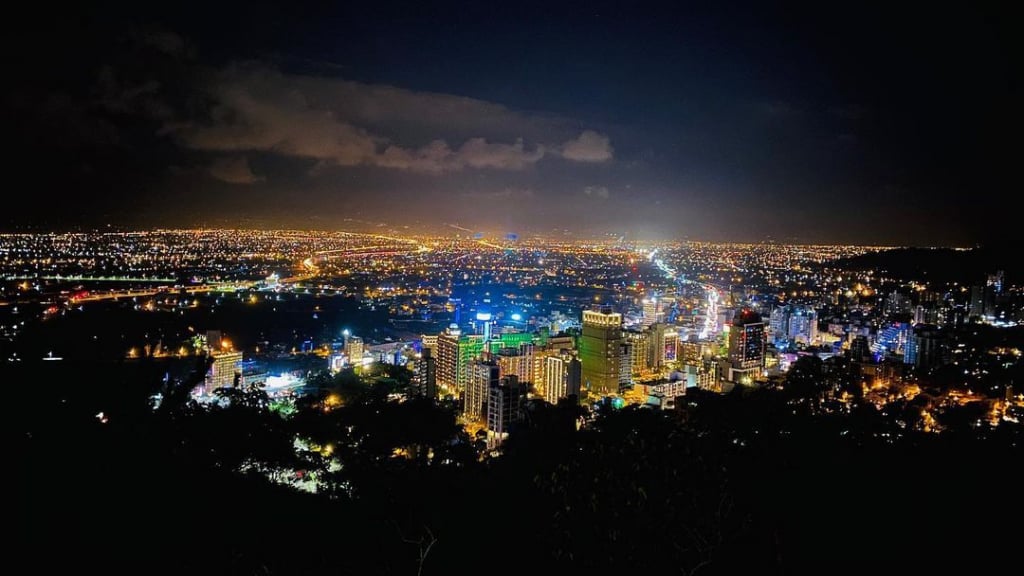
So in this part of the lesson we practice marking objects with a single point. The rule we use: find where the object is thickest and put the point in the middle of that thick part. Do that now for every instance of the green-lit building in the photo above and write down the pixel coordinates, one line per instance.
(600, 351)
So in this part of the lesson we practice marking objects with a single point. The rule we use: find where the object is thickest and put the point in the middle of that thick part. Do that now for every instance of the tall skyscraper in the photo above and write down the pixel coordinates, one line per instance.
(222, 373)
(517, 362)
(652, 311)
(424, 374)
(977, 304)
(601, 351)
(932, 347)
(803, 325)
(482, 375)
(504, 400)
(561, 377)
(656, 346)
(860, 349)
(746, 346)
(638, 348)
(670, 350)
(995, 282)
(354, 350)
(455, 351)
(778, 322)
(625, 361)
(448, 360)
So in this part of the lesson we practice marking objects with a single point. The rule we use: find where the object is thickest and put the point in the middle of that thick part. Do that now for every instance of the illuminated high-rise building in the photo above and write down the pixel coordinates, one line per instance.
(482, 375)
(746, 346)
(655, 346)
(424, 374)
(778, 322)
(504, 401)
(625, 361)
(561, 377)
(600, 349)
(448, 360)
(692, 353)
(803, 325)
(517, 362)
(652, 311)
(995, 282)
(354, 350)
(976, 306)
(638, 351)
(670, 349)
(225, 368)
(931, 347)
(711, 324)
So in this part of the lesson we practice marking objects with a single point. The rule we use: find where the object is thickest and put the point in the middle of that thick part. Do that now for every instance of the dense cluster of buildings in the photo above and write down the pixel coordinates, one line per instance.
(493, 323)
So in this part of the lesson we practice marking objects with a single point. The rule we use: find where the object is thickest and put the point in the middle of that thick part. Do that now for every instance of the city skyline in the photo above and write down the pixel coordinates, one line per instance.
(786, 123)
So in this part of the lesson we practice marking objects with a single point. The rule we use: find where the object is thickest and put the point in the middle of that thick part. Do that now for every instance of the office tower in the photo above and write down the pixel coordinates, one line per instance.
(652, 311)
(448, 359)
(625, 361)
(896, 303)
(601, 351)
(223, 371)
(892, 339)
(711, 324)
(354, 350)
(504, 403)
(995, 282)
(424, 374)
(910, 351)
(778, 323)
(517, 362)
(561, 377)
(638, 353)
(803, 325)
(693, 352)
(860, 350)
(670, 350)
(746, 346)
(976, 306)
(932, 347)
(482, 375)
(655, 346)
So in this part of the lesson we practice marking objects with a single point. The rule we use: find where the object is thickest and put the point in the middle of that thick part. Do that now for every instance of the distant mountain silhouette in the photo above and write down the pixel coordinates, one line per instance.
(940, 264)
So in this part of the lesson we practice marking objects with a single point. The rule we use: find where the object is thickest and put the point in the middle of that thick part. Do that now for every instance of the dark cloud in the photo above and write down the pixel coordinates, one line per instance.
(168, 42)
(233, 170)
(255, 108)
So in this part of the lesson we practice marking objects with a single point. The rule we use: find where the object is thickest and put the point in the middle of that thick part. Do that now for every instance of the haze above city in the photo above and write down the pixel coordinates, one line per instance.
(787, 123)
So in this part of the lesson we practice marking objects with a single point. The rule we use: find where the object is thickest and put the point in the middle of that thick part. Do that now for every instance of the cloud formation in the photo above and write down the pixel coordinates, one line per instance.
(588, 147)
(598, 191)
(234, 170)
(338, 122)
(438, 157)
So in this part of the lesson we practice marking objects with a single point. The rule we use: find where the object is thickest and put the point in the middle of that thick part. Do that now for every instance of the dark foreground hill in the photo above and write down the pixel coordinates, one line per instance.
(749, 483)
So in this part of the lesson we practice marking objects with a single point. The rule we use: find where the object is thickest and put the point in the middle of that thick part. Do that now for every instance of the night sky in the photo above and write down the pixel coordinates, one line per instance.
(819, 122)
